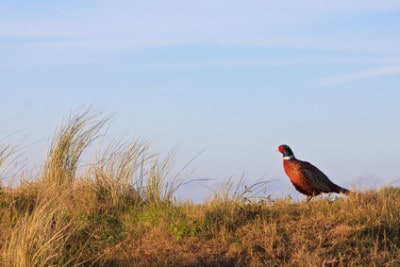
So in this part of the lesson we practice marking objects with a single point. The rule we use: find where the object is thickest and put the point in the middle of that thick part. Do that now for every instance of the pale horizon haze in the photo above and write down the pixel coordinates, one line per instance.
(233, 79)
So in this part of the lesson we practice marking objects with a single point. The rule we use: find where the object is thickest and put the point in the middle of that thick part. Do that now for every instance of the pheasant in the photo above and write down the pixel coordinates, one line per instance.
(307, 178)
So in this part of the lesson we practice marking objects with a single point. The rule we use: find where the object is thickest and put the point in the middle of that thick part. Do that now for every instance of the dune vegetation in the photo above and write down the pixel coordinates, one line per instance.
(119, 208)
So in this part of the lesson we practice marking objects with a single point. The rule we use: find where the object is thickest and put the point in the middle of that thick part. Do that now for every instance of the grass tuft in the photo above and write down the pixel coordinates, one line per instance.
(70, 142)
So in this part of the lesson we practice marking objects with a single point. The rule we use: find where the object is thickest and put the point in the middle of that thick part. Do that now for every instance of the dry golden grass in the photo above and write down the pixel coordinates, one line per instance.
(120, 211)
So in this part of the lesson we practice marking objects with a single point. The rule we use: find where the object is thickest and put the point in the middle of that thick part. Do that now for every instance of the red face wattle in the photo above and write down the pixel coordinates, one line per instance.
(281, 149)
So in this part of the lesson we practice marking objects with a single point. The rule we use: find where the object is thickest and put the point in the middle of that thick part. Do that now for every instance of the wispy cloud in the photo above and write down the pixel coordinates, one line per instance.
(360, 75)
(143, 24)
(72, 33)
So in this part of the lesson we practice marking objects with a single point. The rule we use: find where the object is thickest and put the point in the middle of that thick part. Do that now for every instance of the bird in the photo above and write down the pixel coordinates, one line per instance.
(307, 178)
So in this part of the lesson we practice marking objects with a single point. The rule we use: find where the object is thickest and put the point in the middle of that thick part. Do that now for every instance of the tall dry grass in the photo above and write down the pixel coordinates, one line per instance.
(42, 220)
(40, 237)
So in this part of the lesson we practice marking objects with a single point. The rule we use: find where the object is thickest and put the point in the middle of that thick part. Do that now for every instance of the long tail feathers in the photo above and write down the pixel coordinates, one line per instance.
(344, 190)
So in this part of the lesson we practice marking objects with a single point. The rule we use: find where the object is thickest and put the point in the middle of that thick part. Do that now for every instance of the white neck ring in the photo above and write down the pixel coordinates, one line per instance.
(288, 157)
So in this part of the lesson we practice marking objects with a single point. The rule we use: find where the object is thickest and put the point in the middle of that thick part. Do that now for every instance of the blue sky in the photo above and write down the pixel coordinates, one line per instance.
(236, 79)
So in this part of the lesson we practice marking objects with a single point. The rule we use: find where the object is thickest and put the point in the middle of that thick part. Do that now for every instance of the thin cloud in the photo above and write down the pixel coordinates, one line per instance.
(186, 22)
(70, 33)
(360, 75)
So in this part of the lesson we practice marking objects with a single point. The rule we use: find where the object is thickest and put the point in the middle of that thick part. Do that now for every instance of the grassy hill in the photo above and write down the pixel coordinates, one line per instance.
(120, 210)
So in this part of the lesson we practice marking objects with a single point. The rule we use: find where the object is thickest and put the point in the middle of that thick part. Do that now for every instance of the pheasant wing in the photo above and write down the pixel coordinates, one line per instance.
(317, 178)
